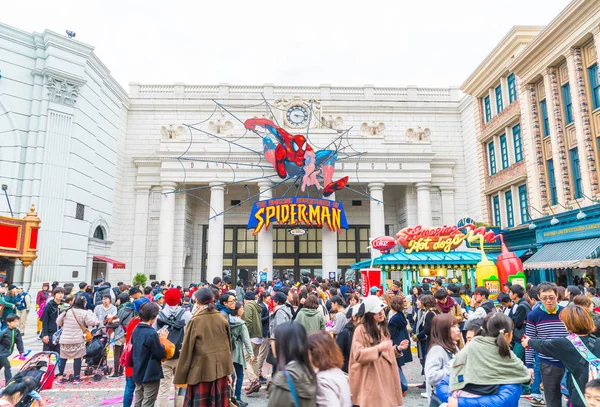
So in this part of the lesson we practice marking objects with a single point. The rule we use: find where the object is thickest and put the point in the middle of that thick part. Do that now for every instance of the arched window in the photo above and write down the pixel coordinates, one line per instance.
(98, 233)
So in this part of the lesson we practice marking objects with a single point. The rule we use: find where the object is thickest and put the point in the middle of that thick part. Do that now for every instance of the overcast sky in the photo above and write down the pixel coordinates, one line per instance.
(385, 43)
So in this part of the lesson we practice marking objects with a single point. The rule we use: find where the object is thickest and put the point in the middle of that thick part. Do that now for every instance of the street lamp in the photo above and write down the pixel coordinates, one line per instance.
(5, 189)
(533, 225)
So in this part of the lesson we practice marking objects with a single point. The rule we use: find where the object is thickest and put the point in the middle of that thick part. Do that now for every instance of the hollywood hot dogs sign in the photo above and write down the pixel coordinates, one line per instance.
(297, 211)
(444, 238)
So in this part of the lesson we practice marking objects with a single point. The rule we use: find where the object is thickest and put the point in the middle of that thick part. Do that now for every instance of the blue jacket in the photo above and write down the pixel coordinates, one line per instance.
(508, 396)
(147, 354)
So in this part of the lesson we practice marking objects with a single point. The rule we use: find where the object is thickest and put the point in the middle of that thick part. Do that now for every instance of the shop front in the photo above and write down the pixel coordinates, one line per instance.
(568, 247)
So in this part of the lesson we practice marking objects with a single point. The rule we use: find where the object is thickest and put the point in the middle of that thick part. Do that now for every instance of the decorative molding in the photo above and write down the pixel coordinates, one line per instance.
(513, 175)
(220, 127)
(334, 123)
(62, 90)
(500, 121)
(418, 134)
(537, 141)
(171, 132)
(372, 129)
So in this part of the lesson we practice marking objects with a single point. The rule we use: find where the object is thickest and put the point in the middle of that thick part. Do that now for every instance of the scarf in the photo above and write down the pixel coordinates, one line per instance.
(447, 307)
(480, 363)
(200, 309)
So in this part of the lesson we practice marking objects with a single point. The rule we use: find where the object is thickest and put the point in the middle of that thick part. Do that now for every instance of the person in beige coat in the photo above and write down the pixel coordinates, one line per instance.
(74, 321)
(372, 370)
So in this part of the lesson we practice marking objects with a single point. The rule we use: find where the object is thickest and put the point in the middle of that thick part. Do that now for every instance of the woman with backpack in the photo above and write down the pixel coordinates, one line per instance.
(74, 322)
(579, 351)
(240, 339)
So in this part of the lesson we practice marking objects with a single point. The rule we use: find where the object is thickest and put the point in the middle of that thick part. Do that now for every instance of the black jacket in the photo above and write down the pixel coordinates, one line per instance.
(102, 290)
(459, 300)
(344, 342)
(264, 319)
(563, 350)
(519, 318)
(6, 340)
(49, 317)
(488, 306)
(398, 333)
(146, 354)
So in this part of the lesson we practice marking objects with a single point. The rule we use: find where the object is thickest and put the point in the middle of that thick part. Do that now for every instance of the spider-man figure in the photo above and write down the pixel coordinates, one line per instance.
(294, 157)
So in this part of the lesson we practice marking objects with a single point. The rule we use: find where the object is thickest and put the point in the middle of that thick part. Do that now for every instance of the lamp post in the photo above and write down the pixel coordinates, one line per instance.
(5, 189)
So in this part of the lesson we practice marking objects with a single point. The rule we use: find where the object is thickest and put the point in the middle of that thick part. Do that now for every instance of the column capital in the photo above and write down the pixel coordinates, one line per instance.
(376, 186)
(168, 185)
(264, 184)
(216, 186)
(424, 185)
(447, 188)
(142, 188)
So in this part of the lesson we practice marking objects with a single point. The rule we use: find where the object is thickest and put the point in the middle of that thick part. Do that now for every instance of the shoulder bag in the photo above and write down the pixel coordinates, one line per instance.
(292, 388)
(87, 335)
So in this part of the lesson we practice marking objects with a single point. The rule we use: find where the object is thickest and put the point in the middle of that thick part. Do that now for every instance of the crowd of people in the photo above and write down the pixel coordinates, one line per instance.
(321, 343)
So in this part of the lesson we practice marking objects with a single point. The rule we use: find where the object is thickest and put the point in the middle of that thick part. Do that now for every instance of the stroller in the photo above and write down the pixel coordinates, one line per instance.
(40, 367)
(96, 356)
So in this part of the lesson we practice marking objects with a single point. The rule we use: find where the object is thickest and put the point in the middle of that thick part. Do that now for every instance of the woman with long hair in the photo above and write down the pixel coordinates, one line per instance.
(398, 327)
(74, 322)
(206, 342)
(373, 371)
(421, 334)
(412, 310)
(445, 342)
(295, 383)
(241, 339)
(326, 358)
(569, 350)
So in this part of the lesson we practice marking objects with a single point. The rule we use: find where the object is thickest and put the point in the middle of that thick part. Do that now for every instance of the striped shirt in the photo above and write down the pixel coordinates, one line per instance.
(544, 326)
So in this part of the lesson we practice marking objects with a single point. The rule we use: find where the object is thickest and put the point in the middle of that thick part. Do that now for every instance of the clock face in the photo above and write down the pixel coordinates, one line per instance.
(297, 116)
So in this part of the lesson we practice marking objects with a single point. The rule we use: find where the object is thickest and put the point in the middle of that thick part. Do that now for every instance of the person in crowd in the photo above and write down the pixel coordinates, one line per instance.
(344, 339)
(9, 338)
(412, 310)
(519, 318)
(69, 288)
(226, 304)
(421, 335)
(129, 383)
(444, 344)
(74, 322)
(447, 305)
(398, 327)
(16, 390)
(160, 300)
(544, 323)
(147, 353)
(346, 290)
(561, 293)
(83, 291)
(119, 324)
(481, 305)
(338, 305)
(241, 340)
(506, 287)
(49, 317)
(295, 377)
(174, 318)
(23, 308)
(105, 309)
(592, 393)
(473, 331)
(9, 302)
(327, 359)
(571, 350)
(353, 299)
(571, 292)
(426, 290)
(464, 294)
(239, 289)
(207, 341)
(373, 372)
(264, 301)
(40, 302)
(309, 316)
(506, 304)
(593, 294)
(253, 318)
(587, 304)
(103, 288)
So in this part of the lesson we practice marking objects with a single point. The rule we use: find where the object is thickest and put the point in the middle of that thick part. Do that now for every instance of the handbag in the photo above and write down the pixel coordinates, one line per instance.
(56, 336)
(435, 400)
(126, 358)
(233, 402)
(86, 332)
(457, 312)
(292, 388)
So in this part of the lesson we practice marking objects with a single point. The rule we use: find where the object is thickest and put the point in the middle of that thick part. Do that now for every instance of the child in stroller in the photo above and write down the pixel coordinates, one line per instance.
(96, 354)
(38, 374)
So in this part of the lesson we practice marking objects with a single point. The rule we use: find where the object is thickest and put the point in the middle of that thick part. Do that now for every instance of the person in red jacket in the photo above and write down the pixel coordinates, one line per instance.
(129, 383)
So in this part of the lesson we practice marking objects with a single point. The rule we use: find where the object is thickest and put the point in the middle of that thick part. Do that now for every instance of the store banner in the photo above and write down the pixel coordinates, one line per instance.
(297, 211)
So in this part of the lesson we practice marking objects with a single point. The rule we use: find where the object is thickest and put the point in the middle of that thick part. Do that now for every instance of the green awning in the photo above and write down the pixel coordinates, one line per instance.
(574, 254)
(427, 258)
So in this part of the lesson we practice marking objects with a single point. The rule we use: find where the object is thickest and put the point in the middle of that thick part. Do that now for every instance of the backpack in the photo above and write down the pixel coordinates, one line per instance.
(175, 325)
(588, 356)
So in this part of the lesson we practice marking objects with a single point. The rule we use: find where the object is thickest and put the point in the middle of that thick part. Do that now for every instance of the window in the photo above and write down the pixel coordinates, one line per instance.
(499, 103)
(516, 131)
(488, 109)
(504, 151)
(523, 203)
(99, 233)
(566, 94)
(492, 155)
(545, 123)
(496, 203)
(510, 216)
(552, 183)
(80, 211)
(576, 171)
(595, 85)
(512, 88)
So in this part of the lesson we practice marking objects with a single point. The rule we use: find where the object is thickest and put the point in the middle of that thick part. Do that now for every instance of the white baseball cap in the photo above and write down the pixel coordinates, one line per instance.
(373, 304)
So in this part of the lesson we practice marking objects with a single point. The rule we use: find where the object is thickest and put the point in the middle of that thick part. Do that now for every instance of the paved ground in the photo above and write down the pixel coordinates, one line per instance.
(108, 392)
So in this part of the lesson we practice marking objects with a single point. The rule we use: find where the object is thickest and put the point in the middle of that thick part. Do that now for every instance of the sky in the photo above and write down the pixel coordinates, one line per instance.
(427, 43)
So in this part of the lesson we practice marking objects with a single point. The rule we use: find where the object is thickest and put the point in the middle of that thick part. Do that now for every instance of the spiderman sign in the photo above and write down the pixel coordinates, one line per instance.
(293, 157)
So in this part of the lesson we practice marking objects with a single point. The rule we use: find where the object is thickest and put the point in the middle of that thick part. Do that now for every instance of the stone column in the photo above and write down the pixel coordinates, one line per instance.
(424, 202)
(215, 231)
(559, 148)
(140, 229)
(448, 210)
(329, 248)
(537, 142)
(265, 237)
(377, 209)
(166, 230)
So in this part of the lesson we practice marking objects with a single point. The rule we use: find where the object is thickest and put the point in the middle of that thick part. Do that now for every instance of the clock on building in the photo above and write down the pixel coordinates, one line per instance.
(297, 116)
